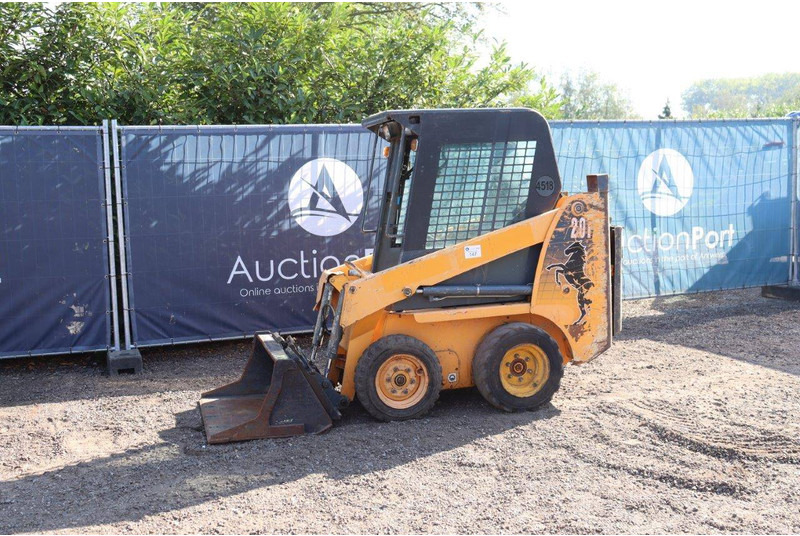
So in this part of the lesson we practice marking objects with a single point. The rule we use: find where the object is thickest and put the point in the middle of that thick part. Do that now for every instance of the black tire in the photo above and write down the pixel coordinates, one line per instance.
(489, 357)
(370, 363)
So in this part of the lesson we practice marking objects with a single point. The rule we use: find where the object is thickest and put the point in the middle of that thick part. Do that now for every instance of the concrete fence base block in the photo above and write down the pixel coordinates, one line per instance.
(124, 361)
(782, 292)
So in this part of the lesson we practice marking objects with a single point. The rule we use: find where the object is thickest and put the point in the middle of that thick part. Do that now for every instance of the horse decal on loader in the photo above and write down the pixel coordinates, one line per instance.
(574, 274)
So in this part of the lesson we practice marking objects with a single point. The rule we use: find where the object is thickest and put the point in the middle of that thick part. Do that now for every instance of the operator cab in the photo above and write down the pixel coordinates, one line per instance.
(454, 174)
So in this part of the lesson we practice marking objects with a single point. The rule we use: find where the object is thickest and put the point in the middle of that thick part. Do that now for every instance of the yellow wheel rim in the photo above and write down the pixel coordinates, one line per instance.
(524, 370)
(402, 381)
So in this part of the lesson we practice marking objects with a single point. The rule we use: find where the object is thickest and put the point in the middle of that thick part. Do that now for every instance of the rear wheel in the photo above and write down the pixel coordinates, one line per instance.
(517, 367)
(397, 378)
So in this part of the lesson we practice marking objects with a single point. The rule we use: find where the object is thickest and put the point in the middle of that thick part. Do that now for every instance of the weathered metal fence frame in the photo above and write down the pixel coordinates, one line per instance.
(121, 235)
(111, 240)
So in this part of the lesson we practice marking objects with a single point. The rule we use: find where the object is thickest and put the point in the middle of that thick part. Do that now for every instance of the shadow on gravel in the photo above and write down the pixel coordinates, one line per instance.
(744, 330)
(720, 322)
(183, 471)
(50, 379)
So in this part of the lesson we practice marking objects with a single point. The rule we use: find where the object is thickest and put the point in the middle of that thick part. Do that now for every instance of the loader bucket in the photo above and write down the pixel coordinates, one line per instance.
(275, 397)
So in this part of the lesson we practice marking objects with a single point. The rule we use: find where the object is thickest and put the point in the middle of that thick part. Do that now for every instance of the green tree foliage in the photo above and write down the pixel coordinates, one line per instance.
(771, 95)
(586, 96)
(247, 62)
(542, 97)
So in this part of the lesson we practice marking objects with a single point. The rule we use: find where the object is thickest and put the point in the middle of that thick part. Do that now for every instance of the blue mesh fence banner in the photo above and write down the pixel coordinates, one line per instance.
(228, 228)
(54, 292)
(705, 205)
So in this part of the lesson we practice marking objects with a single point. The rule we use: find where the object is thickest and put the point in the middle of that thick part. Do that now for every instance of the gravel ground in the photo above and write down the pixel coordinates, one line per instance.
(689, 424)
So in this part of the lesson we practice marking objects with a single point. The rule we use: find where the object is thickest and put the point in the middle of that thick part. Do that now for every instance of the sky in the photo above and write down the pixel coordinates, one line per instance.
(653, 51)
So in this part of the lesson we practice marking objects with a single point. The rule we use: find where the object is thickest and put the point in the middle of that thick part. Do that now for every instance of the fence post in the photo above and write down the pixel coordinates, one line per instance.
(112, 261)
(129, 358)
(123, 263)
(793, 162)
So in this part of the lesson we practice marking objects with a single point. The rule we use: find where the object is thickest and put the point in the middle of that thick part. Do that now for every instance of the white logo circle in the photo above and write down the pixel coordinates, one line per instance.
(665, 182)
(325, 196)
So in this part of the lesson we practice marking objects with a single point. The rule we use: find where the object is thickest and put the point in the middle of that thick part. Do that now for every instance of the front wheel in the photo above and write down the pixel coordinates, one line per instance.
(398, 378)
(517, 367)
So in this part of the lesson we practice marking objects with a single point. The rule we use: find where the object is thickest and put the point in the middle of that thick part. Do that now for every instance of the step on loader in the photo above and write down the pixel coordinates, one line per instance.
(484, 273)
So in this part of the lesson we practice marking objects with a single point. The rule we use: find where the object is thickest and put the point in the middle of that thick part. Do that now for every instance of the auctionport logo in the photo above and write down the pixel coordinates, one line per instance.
(665, 182)
(325, 197)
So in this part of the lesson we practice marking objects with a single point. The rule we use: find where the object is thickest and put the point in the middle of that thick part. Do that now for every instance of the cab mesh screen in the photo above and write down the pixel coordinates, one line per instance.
(479, 187)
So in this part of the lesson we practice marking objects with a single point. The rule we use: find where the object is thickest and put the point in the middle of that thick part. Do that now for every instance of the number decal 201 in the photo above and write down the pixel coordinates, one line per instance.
(579, 228)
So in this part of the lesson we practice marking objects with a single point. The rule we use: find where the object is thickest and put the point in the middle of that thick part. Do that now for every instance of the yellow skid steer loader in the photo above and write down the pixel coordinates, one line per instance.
(483, 274)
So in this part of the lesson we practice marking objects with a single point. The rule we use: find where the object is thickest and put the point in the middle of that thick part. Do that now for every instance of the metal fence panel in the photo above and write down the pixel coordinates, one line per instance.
(228, 228)
(705, 205)
(54, 292)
